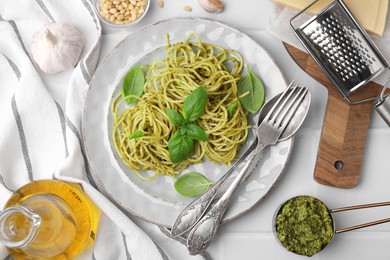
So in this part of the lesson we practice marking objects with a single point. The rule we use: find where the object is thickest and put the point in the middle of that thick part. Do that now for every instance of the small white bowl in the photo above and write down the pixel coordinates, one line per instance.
(113, 24)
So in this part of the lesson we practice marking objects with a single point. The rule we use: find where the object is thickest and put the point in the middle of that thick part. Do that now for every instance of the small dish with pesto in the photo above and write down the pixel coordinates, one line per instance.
(304, 225)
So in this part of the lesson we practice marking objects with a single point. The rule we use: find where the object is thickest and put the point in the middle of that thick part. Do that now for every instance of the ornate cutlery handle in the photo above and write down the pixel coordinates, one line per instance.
(204, 231)
(195, 210)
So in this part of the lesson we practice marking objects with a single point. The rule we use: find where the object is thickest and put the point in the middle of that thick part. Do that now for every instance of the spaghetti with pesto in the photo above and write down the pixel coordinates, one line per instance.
(186, 66)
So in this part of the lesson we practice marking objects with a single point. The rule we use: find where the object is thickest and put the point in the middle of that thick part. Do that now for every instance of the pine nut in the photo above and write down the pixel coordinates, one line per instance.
(187, 8)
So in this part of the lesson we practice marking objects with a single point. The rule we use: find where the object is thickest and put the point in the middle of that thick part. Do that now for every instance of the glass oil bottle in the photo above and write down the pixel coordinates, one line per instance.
(48, 219)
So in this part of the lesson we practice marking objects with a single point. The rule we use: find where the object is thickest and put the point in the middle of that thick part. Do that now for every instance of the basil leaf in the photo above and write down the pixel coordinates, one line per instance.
(175, 117)
(180, 147)
(136, 134)
(133, 84)
(231, 109)
(196, 132)
(183, 129)
(194, 104)
(192, 184)
(256, 93)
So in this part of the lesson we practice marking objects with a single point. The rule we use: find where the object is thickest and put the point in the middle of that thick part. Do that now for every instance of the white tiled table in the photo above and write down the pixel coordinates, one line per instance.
(250, 236)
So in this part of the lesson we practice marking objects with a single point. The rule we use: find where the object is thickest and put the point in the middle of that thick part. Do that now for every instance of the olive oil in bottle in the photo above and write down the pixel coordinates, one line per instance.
(48, 219)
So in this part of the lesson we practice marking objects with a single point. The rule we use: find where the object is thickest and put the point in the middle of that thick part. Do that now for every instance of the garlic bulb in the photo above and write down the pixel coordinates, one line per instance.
(57, 47)
(211, 6)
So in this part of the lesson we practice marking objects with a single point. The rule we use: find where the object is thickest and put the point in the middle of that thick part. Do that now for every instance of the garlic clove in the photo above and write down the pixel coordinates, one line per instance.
(211, 6)
(57, 47)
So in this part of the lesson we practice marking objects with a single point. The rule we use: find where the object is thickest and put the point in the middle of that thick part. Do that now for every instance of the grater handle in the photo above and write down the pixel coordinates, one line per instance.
(383, 108)
(383, 105)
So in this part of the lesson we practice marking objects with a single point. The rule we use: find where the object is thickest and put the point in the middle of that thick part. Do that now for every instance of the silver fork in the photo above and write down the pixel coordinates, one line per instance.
(268, 133)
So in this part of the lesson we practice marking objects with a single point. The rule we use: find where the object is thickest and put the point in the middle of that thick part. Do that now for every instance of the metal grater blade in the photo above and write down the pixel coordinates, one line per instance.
(341, 48)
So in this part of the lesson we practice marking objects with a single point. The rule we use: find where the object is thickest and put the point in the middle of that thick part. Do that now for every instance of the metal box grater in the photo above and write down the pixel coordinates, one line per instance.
(340, 46)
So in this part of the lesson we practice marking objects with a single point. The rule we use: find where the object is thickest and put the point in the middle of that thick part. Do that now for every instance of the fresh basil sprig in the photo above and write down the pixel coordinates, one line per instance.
(133, 84)
(254, 88)
(181, 144)
(192, 184)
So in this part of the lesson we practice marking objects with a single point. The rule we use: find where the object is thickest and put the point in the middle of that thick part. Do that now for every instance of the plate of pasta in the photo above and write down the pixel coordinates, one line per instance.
(139, 141)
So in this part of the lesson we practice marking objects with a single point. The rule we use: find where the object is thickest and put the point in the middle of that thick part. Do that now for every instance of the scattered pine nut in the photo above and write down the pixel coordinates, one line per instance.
(161, 3)
(187, 8)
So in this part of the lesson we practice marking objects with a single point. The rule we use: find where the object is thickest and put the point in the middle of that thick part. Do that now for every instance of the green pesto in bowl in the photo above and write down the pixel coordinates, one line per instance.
(304, 225)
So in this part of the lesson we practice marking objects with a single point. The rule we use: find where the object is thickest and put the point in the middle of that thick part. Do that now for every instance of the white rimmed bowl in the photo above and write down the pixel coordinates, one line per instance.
(113, 24)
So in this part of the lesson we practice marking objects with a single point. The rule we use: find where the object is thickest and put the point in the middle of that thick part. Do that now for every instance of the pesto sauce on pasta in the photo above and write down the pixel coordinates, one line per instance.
(186, 66)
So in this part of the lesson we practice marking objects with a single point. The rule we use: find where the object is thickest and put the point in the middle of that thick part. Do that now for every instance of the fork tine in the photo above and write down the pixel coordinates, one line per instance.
(289, 111)
(286, 104)
(276, 105)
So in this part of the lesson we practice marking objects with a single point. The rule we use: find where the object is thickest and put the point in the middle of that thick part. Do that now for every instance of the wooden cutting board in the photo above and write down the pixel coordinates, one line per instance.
(344, 131)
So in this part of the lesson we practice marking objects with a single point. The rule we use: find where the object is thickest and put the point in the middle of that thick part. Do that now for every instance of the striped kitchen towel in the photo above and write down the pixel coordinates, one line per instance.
(40, 126)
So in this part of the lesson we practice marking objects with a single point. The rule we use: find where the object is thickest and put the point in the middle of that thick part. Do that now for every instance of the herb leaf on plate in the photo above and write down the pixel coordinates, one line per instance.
(180, 147)
(175, 117)
(133, 84)
(196, 132)
(194, 104)
(254, 88)
(231, 109)
(136, 134)
(192, 184)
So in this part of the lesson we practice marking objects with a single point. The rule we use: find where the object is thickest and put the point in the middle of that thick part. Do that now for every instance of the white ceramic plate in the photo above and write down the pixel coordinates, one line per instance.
(157, 201)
